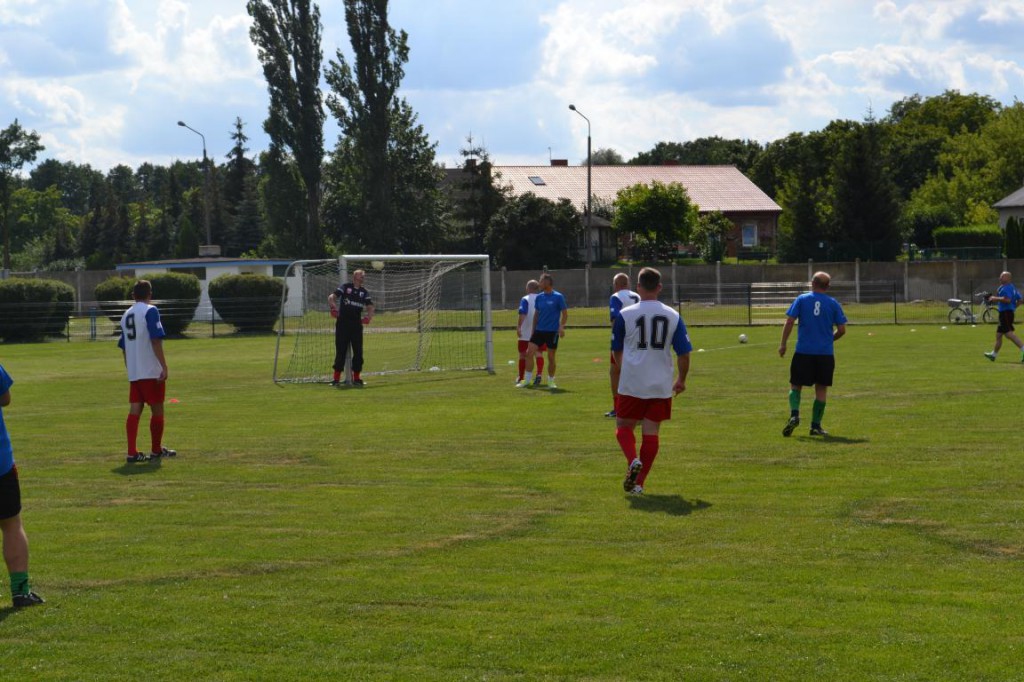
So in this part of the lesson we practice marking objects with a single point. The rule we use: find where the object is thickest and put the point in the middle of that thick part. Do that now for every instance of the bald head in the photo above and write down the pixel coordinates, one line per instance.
(821, 281)
(620, 282)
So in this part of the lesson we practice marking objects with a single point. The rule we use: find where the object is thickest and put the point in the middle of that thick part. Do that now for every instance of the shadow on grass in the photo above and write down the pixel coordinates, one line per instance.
(673, 505)
(138, 468)
(838, 440)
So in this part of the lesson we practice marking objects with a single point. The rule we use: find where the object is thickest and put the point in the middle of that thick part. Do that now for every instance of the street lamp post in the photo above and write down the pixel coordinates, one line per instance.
(206, 190)
(590, 193)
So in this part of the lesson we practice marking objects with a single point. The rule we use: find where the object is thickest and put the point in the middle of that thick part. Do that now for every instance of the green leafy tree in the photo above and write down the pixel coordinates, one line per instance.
(606, 156)
(710, 234)
(187, 245)
(655, 218)
(249, 228)
(74, 182)
(281, 193)
(287, 37)
(475, 198)
(529, 232)
(704, 151)
(17, 147)
(383, 174)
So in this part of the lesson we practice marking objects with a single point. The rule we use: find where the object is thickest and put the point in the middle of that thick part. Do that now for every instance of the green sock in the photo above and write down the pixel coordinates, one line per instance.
(817, 412)
(19, 583)
(794, 401)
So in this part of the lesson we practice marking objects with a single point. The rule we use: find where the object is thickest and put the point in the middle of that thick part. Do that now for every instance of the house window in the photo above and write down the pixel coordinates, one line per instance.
(537, 180)
(749, 235)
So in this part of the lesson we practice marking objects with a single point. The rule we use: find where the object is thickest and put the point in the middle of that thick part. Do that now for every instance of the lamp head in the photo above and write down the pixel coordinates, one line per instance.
(182, 124)
(572, 107)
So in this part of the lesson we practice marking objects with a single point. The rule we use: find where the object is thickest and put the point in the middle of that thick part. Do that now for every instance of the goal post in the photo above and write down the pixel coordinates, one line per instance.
(431, 313)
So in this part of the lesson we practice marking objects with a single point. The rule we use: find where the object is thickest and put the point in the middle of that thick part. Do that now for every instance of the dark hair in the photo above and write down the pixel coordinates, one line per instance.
(142, 290)
(648, 279)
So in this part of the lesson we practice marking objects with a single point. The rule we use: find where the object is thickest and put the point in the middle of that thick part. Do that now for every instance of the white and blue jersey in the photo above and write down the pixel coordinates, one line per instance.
(648, 333)
(621, 299)
(1010, 292)
(817, 313)
(140, 324)
(6, 450)
(549, 307)
(527, 308)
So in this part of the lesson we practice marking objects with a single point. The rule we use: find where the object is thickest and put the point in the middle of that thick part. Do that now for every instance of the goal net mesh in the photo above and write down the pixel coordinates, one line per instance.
(429, 315)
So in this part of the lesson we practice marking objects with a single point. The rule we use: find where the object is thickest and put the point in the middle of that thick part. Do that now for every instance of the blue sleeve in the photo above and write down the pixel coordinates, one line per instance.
(523, 305)
(840, 315)
(614, 306)
(120, 341)
(156, 329)
(562, 305)
(681, 340)
(794, 308)
(5, 381)
(618, 333)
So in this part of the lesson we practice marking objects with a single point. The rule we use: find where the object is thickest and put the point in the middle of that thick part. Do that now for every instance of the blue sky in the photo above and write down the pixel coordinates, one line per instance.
(105, 81)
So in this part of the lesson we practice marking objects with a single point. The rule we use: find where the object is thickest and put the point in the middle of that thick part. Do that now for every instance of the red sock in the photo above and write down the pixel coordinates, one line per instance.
(648, 451)
(522, 367)
(627, 441)
(355, 376)
(337, 375)
(131, 426)
(156, 432)
(540, 366)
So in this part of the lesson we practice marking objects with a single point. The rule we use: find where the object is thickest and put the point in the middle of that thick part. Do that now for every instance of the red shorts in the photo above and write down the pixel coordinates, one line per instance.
(149, 391)
(523, 345)
(652, 409)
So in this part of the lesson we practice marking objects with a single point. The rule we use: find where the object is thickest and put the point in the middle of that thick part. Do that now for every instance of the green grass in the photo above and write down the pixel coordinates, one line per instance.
(447, 526)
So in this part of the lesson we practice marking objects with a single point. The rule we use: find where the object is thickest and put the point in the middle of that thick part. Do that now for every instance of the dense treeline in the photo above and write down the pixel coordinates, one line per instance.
(854, 189)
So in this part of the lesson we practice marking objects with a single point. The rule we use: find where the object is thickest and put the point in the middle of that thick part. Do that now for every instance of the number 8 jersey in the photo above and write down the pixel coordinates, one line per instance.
(648, 333)
(140, 324)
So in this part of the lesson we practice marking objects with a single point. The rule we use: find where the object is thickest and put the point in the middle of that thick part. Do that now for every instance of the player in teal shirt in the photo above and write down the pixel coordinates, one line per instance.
(15, 540)
(1008, 299)
(822, 323)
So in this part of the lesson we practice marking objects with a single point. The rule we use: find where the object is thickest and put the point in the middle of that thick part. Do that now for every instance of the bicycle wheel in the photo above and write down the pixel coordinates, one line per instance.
(958, 316)
(990, 316)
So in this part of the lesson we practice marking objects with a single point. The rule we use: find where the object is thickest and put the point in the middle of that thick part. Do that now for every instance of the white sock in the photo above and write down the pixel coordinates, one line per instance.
(527, 376)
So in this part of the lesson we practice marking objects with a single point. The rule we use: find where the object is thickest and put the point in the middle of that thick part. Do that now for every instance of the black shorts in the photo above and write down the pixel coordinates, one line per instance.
(541, 338)
(812, 370)
(1005, 322)
(10, 494)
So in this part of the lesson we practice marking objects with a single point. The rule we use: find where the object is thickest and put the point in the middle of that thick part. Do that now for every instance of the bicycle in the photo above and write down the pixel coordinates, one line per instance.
(962, 312)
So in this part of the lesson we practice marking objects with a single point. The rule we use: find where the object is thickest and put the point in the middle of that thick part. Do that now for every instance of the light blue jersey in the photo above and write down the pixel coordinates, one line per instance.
(1010, 292)
(817, 314)
(549, 311)
(6, 450)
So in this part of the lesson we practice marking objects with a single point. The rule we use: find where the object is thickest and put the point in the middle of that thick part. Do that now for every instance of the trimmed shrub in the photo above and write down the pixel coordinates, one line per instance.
(32, 308)
(114, 296)
(176, 294)
(252, 303)
(968, 236)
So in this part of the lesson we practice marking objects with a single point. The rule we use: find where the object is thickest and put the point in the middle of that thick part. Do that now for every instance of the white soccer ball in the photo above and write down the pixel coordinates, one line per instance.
(435, 369)
(743, 338)
(377, 264)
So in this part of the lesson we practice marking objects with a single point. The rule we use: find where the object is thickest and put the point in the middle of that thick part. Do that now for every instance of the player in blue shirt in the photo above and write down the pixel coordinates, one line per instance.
(15, 540)
(548, 327)
(1008, 298)
(814, 361)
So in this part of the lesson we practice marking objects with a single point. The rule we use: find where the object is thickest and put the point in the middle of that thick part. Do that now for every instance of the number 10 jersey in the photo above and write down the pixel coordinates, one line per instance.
(648, 333)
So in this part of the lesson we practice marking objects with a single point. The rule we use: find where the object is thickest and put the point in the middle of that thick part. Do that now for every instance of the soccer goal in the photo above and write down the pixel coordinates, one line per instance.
(431, 313)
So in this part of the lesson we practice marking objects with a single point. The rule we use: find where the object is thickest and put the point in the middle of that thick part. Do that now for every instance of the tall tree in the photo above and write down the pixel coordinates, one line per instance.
(475, 197)
(287, 37)
(239, 169)
(554, 229)
(17, 147)
(865, 206)
(384, 163)
(654, 217)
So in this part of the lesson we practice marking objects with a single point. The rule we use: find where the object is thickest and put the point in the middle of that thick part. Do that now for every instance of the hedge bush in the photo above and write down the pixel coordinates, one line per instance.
(968, 236)
(33, 308)
(175, 293)
(252, 303)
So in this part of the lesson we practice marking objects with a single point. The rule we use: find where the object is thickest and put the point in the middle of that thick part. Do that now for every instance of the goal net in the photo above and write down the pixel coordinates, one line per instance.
(431, 313)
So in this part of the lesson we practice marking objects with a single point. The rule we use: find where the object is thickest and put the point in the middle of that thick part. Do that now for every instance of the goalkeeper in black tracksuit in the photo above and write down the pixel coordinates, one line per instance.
(352, 305)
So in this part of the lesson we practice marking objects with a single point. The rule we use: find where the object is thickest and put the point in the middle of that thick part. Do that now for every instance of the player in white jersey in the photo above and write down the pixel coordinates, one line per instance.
(621, 298)
(644, 337)
(527, 309)
(141, 343)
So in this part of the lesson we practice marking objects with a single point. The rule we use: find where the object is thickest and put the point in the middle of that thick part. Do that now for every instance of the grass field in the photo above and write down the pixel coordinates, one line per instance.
(446, 526)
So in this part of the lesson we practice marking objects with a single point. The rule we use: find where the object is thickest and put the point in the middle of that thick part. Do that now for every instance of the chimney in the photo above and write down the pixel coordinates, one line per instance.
(470, 164)
(559, 162)
(670, 162)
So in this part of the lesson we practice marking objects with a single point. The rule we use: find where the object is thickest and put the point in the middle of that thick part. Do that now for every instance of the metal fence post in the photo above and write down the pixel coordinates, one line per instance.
(750, 305)
(92, 323)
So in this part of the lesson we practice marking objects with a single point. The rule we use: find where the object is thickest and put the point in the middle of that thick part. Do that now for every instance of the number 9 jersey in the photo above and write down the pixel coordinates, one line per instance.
(647, 334)
(140, 324)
